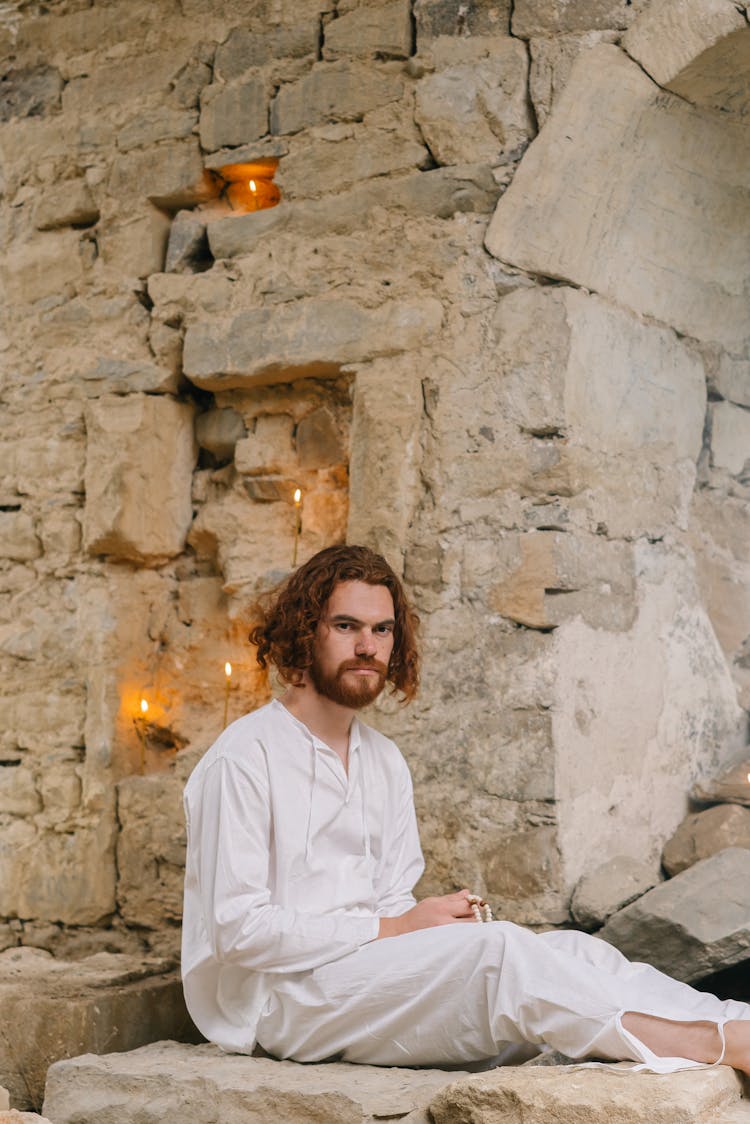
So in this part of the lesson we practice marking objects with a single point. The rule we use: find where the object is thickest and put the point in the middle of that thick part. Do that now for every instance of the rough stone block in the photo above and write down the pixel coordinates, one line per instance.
(187, 248)
(126, 376)
(233, 114)
(559, 1095)
(134, 244)
(732, 380)
(441, 192)
(139, 462)
(153, 125)
(318, 440)
(150, 850)
(672, 42)
(730, 438)
(382, 29)
(552, 60)
(56, 1009)
(477, 112)
(218, 431)
(340, 91)
(706, 833)
(14, 1117)
(550, 17)
(89, 1089)
(653, 224)
(320, 165)
(244, 48)
(70, 204)
(306, 339)
(171, 175)
(610, 887)
(18, 793)
(268, 450)
(732, 787)
(30, 92)
(384, 467)
(459, 18)
(692, 925)
(48, 265)
(18, 538)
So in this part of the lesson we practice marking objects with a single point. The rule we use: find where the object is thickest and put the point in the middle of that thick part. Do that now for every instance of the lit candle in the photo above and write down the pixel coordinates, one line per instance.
(138, 722)
(297, 523)
(228, 674)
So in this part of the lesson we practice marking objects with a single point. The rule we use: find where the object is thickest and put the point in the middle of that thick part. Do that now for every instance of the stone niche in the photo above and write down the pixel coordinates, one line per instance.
(496, 328)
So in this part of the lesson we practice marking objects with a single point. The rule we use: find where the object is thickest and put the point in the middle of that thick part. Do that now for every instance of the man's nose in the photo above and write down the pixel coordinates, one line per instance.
(366, 645)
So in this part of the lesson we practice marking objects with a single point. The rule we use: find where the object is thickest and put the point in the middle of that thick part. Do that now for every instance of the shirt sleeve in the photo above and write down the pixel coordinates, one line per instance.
(229, 833)
(403, 863)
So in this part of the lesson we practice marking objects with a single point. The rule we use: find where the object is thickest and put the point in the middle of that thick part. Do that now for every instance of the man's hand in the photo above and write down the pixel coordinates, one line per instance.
(446, 910)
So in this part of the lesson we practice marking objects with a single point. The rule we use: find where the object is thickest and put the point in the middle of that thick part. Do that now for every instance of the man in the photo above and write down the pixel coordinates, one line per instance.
(300, 930)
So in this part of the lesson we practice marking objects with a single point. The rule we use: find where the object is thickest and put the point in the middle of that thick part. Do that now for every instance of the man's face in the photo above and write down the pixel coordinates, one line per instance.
(353, 644)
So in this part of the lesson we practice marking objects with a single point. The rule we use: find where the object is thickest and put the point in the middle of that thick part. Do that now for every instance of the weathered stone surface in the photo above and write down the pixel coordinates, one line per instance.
(140, 456)
(478, 112)
(730, 438)
(542, 1095)
(382, 29)
(233, 114)
(154, 125)
(57, 1009)
(318, 440)
(244, 48)
(92, 1088)
(30, 92)
(14, 1117)
(47, 266)
(187, 248)
(18, 793)
(18, 538)
(339, 91)
(697, 50)
(123, 376)
(549, 17)
(150, 850)
(313, 338)
(385, 457)
(171, 176)
(135, 244)
(218, 431)
(441, 192)
(693, 924)
(552, 59)
(610, 887)
(652, 224)
(704, 834)
(323, 163)
(268, 449)
(68, 205)
(457, 17)
(4, 1098)
(732, 787)
(732, 380)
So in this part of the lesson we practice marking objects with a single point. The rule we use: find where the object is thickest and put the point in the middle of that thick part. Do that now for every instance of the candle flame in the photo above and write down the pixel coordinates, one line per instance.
(228, 669)
(144, 706)
(748, 778)
(298, 495)
(252, 186)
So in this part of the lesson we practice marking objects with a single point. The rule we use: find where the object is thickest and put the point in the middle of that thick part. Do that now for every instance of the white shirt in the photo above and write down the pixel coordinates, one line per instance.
(290, 862)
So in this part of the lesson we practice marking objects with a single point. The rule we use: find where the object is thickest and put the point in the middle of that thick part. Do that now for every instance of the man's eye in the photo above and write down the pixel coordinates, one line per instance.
(343, 626)
(384, 629)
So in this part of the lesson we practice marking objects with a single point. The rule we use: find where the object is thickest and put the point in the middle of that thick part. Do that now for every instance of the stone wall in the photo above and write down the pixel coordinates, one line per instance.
(496, 328)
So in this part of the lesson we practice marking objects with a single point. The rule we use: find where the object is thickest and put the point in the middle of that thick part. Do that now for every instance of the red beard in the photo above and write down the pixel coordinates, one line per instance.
(355, 692)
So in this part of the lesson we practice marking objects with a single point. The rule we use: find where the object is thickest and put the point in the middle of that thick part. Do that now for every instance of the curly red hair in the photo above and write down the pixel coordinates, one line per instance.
(289, 615)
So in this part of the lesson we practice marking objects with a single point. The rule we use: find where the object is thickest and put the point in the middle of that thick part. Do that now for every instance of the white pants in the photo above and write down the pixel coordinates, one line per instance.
(460, 993)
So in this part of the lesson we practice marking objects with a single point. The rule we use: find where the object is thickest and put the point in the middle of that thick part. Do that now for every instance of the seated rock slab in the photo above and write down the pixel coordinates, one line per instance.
(692, 925)
(195, 1084)
(55, 1009)
(583, 1095)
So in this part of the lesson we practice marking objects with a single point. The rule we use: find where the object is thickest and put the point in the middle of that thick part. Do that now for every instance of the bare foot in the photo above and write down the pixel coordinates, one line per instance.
(738, 1044)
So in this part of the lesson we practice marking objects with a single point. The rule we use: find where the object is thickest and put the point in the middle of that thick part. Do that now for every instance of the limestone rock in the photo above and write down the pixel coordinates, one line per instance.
(126, 376)
(269, 449)
(309, 338)
(693, 924)
(14, 1117)
(541, 1095)
(233, 114)
(30, 91)
(46, 266)
(71, 204)
(324, 165)
(57, 1009)
(680, 42)
(339, 91)
(244, 48)
(477, 112)
(139, 461)
(545, 223)
(218, 431)
(550, 17)
(382, 29)
(171, 176)
(90, 1088)
(4, 1099)
(150, 850)
(610, 887)
(187, 248)
(154, 125)
(730, 438)
(732, 787)
(135, 244)
(18, 792)
(732, 380)
(704, 834)
(552, 59)
(319, 441)
(18, 538)
(457, 17)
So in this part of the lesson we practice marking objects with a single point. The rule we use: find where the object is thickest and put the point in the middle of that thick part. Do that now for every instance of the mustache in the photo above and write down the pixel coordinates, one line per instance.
(364, 661)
